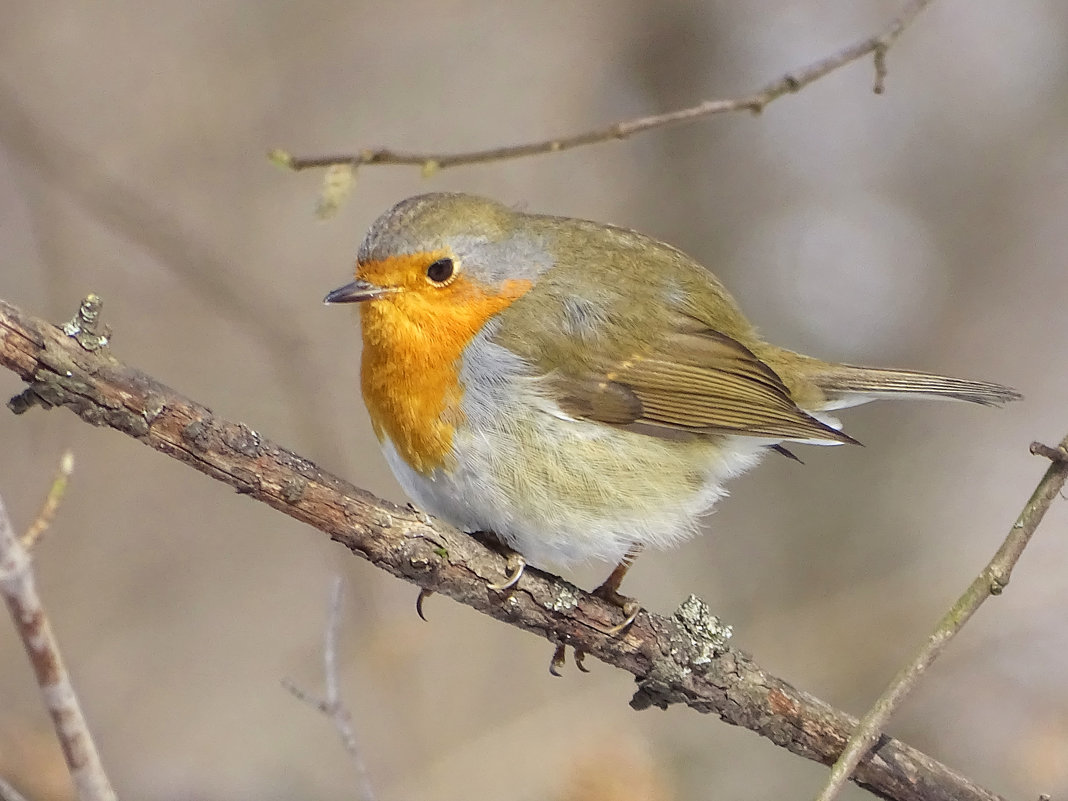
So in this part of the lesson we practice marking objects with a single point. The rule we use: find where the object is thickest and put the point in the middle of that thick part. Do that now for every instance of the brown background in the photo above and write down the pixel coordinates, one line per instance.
(924, 228)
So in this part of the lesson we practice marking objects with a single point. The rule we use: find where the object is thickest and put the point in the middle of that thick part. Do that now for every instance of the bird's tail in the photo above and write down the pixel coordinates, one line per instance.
(848, 385)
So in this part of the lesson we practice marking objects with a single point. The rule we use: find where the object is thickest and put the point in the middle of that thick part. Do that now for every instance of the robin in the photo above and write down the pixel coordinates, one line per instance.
(581, 391)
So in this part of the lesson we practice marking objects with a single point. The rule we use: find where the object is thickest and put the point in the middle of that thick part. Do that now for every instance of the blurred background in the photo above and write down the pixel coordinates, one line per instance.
(924, 228)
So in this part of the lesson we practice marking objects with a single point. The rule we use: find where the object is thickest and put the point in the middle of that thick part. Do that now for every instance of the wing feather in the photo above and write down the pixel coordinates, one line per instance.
(697, 380)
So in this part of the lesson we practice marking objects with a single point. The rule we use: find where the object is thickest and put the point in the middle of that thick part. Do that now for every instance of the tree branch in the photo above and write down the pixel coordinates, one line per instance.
(679, 659)
(9, 793)
(51, 503)
(331, 704)
(790, 83)
(992, 580)
(19, 590)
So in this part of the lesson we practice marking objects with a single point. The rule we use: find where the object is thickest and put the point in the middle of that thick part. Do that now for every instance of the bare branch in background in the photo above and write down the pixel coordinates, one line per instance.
(991, 581)
(331, 704)
(19, 589)
(150, 222)
(51, 502)
(9, 793)
(790, 83)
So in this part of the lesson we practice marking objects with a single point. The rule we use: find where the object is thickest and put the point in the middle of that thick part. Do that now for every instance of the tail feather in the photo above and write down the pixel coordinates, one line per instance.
(848, 385)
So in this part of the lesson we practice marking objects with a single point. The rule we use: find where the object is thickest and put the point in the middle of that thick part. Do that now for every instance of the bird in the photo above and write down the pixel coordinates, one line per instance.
(577, 390)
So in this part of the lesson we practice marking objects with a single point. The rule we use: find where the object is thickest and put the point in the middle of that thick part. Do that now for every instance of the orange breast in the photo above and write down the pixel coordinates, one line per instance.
(412, 344)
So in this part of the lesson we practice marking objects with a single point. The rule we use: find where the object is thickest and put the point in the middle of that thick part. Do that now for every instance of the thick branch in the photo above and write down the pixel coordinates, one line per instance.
(794, 81)
(674, 660)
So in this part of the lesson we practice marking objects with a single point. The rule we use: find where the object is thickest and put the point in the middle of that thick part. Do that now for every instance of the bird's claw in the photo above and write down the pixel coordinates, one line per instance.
(580, 661)
(423, 595)
(516, 564)
(630, 611)
(559, 660)
(629, 607)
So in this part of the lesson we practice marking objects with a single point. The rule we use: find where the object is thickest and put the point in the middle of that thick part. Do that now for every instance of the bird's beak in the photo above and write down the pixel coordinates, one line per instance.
(357, 292)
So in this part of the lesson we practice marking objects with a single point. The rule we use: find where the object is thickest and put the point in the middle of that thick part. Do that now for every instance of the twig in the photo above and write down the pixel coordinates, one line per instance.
(672, 659)
(151, 223)
(51, 502)
(332, 704)
(991, 581)
(790, 83)
(1058, 454)
(19, 589)
(9, 793)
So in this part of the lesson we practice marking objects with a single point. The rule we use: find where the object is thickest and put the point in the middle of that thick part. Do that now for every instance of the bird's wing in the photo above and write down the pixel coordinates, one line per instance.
(694, 380)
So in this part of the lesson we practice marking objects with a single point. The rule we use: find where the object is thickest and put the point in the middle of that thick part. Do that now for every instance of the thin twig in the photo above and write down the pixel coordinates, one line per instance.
(673, 659)
(9, 793)
(991, 581)
(790, 83)
(149, 222)
(19, 589)
(332, 705)
(51, 502)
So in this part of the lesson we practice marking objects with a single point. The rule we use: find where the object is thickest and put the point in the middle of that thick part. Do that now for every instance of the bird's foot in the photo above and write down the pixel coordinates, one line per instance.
(629, 607)
(515, 564)
(559, 660)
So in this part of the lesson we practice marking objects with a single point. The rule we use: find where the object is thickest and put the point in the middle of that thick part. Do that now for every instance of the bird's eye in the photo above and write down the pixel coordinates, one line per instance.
(440, 271)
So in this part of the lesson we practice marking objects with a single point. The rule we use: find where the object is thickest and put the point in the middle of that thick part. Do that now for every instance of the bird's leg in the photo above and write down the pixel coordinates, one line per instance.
(609, 591)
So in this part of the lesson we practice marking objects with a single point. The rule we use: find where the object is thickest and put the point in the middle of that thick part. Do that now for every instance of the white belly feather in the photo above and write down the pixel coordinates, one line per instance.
(560, 490)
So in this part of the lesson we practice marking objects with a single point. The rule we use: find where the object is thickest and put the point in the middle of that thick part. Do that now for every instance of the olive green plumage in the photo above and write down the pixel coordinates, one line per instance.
(636, 332)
